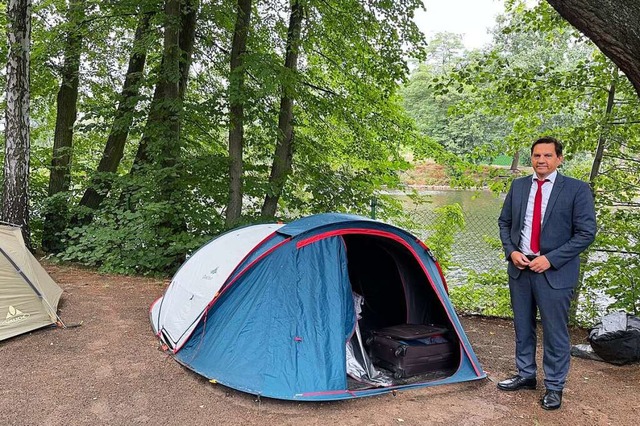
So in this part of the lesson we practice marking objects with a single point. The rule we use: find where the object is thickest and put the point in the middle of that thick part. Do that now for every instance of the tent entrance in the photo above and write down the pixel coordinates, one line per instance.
(395, 290)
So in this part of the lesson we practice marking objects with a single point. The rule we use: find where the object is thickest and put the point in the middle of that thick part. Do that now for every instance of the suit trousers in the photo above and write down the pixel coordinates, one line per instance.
(531, 292)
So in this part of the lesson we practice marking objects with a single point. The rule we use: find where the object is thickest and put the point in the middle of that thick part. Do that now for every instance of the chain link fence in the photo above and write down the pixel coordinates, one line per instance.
(475, 247)
(476, 243)
(461, 229)
(476, 267)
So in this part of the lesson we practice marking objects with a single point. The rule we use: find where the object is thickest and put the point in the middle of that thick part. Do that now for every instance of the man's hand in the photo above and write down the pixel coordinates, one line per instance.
(519, 260)
(539, 264)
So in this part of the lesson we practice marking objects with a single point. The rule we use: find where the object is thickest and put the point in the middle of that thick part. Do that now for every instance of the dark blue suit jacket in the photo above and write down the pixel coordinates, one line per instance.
(568, 227)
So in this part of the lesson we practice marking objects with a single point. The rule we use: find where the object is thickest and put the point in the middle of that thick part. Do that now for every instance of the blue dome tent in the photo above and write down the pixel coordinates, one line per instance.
(269, 309)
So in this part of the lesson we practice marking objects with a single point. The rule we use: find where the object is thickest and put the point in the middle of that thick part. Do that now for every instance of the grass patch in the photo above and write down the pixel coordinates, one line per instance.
(502, 160)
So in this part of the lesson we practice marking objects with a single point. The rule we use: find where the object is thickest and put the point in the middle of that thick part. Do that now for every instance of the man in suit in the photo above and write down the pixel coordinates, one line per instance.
(547, 220)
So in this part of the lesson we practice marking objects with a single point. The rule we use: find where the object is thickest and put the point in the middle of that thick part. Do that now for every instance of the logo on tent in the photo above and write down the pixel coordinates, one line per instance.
(210, 277)
(15, 315)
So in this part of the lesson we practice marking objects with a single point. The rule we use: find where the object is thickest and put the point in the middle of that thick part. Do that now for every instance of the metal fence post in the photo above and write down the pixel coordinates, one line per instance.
(373, 204)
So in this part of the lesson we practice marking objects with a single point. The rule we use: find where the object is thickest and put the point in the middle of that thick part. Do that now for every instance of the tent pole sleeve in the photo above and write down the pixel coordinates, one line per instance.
(33, 287)
(22, 274)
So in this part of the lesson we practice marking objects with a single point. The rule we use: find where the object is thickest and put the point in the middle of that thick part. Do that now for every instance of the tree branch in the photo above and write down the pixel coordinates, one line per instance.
(327, 91)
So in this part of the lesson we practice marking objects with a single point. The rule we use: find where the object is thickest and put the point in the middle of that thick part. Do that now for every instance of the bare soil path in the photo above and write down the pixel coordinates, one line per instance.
(110, 371)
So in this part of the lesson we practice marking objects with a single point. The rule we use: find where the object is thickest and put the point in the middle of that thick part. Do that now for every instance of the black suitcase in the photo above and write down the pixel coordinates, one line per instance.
(412, 349)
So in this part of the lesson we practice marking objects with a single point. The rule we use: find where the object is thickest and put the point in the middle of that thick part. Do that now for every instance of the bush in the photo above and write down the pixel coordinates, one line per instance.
(484, 293)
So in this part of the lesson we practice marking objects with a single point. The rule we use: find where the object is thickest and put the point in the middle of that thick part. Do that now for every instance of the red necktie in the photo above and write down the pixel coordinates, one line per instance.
(537, 218)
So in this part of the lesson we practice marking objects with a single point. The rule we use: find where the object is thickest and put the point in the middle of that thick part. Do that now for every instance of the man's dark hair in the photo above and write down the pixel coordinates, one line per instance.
(549, 139)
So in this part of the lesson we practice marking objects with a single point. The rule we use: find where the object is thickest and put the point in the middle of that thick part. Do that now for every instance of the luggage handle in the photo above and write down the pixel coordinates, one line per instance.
(400, 351)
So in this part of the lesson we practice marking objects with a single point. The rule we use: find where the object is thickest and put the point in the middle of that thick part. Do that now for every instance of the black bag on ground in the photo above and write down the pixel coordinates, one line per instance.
(412, 349)
(617, 338)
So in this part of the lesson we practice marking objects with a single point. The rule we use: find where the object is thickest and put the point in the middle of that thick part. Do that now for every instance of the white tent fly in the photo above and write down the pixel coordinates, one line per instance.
(175, 315)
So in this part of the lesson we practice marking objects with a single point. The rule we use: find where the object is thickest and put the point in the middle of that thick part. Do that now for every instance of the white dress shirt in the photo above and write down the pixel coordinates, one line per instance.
(525, 235)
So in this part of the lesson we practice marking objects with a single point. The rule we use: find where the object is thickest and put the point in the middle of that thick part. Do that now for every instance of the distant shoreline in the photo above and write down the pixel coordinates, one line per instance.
(427, 188)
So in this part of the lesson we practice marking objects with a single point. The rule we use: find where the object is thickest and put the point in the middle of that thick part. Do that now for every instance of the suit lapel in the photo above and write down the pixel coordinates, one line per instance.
(557, 187)
(525, 198)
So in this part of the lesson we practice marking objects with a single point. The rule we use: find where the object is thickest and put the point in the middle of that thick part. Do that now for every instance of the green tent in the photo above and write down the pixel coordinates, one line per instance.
(28, 295)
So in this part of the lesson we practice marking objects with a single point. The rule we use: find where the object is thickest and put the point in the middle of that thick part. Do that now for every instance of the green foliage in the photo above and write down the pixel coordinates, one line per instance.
(141, 233)
(542, 77)
(131, 243)
(484, 293)
(533, 79)
(442, 231)
(56, 208)
(437, 112)
(613, 271)
(350, 127)
(443, 52)
(578, 166)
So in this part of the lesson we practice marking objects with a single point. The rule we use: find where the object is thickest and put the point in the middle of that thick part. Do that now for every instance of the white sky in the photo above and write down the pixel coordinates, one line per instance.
(470, 18)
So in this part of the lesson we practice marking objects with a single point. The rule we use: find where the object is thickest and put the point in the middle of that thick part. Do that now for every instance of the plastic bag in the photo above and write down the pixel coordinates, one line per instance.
(617, 338)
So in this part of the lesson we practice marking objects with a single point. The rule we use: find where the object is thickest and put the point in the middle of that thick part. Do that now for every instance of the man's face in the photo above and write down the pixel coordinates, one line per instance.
(544, 159)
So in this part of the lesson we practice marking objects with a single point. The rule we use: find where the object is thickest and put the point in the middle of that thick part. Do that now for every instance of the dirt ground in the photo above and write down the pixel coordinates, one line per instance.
(110, 371)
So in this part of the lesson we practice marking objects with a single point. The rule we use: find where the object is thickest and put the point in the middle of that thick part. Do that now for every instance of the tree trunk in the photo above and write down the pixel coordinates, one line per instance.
(114, 149)
(60, 176)
(153, 119)
(515, 161)
(597, 160)
(236, 112)
(612, 25)
(187, 41)
(154, 126)
(170, 109)
(158, 159)
(281, 167)
(15, 186)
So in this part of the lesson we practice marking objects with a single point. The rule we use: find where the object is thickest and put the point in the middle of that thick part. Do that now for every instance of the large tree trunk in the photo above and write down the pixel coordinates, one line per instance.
(15, 186)
(155, 124)
(612, 25)
(187, 41)
(157, 168)
(170, 109)
(236, 112)
(281, 167)
(150, 132)
(60, 177)
(114, 148)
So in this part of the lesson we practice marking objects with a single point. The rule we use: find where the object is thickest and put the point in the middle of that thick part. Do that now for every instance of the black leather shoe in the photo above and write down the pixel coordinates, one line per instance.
(552, 400)
(517, 382)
